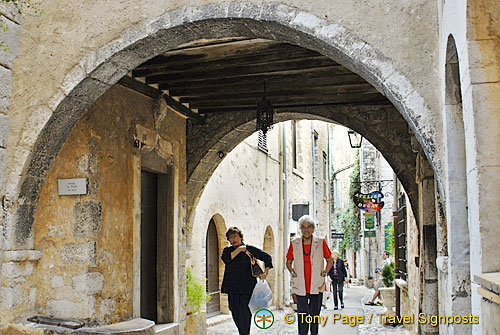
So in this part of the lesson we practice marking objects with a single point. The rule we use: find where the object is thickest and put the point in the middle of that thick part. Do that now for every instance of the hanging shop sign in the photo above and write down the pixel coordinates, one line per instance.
(369, 220)
(370, 233)
(389, 237)
(371, 202)
(337, 235)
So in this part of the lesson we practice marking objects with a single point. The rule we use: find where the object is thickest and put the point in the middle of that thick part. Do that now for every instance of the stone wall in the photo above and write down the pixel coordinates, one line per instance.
(87, 243)
(11, 20)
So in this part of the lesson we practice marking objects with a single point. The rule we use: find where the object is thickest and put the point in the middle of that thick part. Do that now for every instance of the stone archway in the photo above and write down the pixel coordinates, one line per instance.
(102, 68)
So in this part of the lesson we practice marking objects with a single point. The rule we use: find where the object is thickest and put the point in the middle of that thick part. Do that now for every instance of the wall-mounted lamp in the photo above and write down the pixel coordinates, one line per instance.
(221, 154)
(355, 139)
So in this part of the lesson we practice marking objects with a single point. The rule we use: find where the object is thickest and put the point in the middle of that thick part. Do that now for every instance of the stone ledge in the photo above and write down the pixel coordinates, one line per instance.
(131, 327)
(21, 255)
(489, 281)
(402, 284)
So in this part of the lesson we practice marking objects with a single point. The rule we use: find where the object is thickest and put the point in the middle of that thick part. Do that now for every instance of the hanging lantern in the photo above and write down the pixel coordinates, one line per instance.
(265, 114)
(355, 139)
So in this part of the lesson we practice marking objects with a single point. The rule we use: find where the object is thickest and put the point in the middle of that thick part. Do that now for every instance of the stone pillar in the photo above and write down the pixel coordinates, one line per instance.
(11, 19)
(428, 242)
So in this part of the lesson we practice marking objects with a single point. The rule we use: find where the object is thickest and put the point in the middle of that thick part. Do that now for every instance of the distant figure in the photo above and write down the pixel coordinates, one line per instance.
(348, 273)
(307, 254)
(379, 283)
(238, 281)
(338, 274)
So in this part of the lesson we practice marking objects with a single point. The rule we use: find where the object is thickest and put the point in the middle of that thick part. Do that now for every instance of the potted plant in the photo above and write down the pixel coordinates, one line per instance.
(196, 294)
(388, 292)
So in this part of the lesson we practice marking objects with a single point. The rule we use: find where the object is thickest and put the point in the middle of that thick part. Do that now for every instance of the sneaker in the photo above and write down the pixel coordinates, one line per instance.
(369, 303)
(335, 308)
(342, 306)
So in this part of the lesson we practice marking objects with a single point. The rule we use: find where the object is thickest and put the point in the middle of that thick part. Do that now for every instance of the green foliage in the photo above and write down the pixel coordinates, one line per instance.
(196, 294)
(388, 275)
(23, 7)
(349, 221)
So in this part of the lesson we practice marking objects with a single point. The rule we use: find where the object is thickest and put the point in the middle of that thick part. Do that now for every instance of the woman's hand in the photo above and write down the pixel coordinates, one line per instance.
(262, 276)
(242, 248)
(294, 274)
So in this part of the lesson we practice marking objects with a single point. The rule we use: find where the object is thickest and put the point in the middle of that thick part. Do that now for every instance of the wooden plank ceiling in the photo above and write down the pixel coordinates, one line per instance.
(229, 75)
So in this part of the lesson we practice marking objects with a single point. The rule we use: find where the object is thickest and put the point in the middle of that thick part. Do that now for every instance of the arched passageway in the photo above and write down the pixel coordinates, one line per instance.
(108, 65)
(328, 81)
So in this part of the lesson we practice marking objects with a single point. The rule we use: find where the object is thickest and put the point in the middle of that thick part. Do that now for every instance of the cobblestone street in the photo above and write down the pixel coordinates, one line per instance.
(355, 297)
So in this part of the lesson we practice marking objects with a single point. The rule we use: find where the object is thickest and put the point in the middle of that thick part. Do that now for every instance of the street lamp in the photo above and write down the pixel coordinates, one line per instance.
(355, 139)
(265, 114)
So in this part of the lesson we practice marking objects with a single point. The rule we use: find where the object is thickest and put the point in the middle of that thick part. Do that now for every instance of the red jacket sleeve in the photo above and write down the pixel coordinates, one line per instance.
(289, 254)
(326, 251)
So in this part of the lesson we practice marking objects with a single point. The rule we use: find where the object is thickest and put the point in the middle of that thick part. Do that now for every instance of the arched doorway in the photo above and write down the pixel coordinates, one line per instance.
(212, 269)
(269, 248)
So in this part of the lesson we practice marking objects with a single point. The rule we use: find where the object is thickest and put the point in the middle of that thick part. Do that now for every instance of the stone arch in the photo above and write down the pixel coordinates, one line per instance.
(456, 189)
(102, 68)
(269, 247)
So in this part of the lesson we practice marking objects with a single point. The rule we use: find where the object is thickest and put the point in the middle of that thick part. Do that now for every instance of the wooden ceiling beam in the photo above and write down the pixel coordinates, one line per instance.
(298, 99)
(379, 105)
(301, 77)
(282, 67)
(154, 93)
(227, 63)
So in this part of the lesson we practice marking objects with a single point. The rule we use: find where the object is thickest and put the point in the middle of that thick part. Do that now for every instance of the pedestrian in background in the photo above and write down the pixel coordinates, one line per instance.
(338, 274)
(347, 278)
(238, 281)
(307, 254)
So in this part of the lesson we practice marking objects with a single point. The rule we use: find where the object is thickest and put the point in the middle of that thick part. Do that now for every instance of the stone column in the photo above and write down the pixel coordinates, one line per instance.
(428, 242)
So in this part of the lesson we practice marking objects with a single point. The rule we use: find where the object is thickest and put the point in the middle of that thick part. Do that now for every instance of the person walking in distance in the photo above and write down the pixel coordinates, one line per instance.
(338, 274)
(306, 263)
(238, 281)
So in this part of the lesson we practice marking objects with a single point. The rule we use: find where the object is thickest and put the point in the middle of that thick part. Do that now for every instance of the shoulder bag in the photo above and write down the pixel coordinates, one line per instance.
(254, 266)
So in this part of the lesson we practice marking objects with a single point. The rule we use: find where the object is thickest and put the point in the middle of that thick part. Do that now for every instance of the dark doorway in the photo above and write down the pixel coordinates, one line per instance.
(212, 269)
(149, 215)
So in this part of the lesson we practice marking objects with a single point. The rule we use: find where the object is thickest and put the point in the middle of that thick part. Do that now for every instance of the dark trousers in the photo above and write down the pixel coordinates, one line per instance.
(338, 288)
(238, 305)
(310, 304)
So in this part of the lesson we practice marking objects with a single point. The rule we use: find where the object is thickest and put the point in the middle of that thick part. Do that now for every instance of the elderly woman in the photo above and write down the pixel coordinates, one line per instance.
(307, 254)
(338, 274)
(238, 281)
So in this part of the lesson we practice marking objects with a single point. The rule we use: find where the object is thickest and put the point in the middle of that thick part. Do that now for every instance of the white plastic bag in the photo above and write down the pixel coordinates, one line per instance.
(262, 297)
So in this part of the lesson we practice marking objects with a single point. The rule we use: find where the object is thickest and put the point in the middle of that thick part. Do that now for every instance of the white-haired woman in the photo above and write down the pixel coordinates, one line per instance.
(305, 261)
(338, 274)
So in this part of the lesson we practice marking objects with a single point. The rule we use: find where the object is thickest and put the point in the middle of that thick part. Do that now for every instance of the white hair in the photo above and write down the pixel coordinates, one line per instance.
(335, 251)
(306, 219)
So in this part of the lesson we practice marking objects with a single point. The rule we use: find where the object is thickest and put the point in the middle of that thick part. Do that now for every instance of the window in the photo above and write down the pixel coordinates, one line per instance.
(294, 144)
(298, 210)
(262, 142)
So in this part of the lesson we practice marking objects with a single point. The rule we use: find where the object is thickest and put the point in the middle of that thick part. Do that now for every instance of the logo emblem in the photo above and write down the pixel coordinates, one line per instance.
(263, 319)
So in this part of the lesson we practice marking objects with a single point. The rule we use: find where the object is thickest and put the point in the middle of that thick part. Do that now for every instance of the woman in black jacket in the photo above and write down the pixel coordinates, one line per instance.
(238, 281)
(337, 273)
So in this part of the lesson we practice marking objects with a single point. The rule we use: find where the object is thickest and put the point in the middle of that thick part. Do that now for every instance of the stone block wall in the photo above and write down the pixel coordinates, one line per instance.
(11, 20)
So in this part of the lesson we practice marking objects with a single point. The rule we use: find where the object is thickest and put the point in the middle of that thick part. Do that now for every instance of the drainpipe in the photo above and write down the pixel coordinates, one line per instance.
(329, 198)
(284, 206)
(313, 170)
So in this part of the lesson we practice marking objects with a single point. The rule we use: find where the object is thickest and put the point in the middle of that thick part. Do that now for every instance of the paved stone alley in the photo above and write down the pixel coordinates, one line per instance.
(355, 297)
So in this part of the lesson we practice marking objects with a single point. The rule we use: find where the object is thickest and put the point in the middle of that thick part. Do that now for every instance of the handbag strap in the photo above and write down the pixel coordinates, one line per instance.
(252, 258)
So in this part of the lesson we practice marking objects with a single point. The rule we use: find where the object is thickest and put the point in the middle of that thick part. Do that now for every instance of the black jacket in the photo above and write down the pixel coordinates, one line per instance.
(340, 270)
(237, 275)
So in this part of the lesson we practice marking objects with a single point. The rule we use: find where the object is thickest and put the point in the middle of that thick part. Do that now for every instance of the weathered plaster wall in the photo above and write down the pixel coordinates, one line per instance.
(87, 242)
(243, 192)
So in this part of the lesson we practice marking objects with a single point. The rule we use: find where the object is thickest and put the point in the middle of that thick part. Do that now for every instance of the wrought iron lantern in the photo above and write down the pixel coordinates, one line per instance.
(265, 114)
(355, 139)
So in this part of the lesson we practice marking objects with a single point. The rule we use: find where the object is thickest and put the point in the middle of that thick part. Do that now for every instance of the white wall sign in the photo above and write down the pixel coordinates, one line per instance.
(73, 186)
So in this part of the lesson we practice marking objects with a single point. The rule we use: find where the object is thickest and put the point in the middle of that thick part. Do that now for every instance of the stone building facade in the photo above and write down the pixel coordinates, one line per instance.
(249, 190)
(433, 63)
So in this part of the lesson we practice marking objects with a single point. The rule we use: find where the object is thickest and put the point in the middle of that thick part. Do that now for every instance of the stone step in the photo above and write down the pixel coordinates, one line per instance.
(167, 329)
